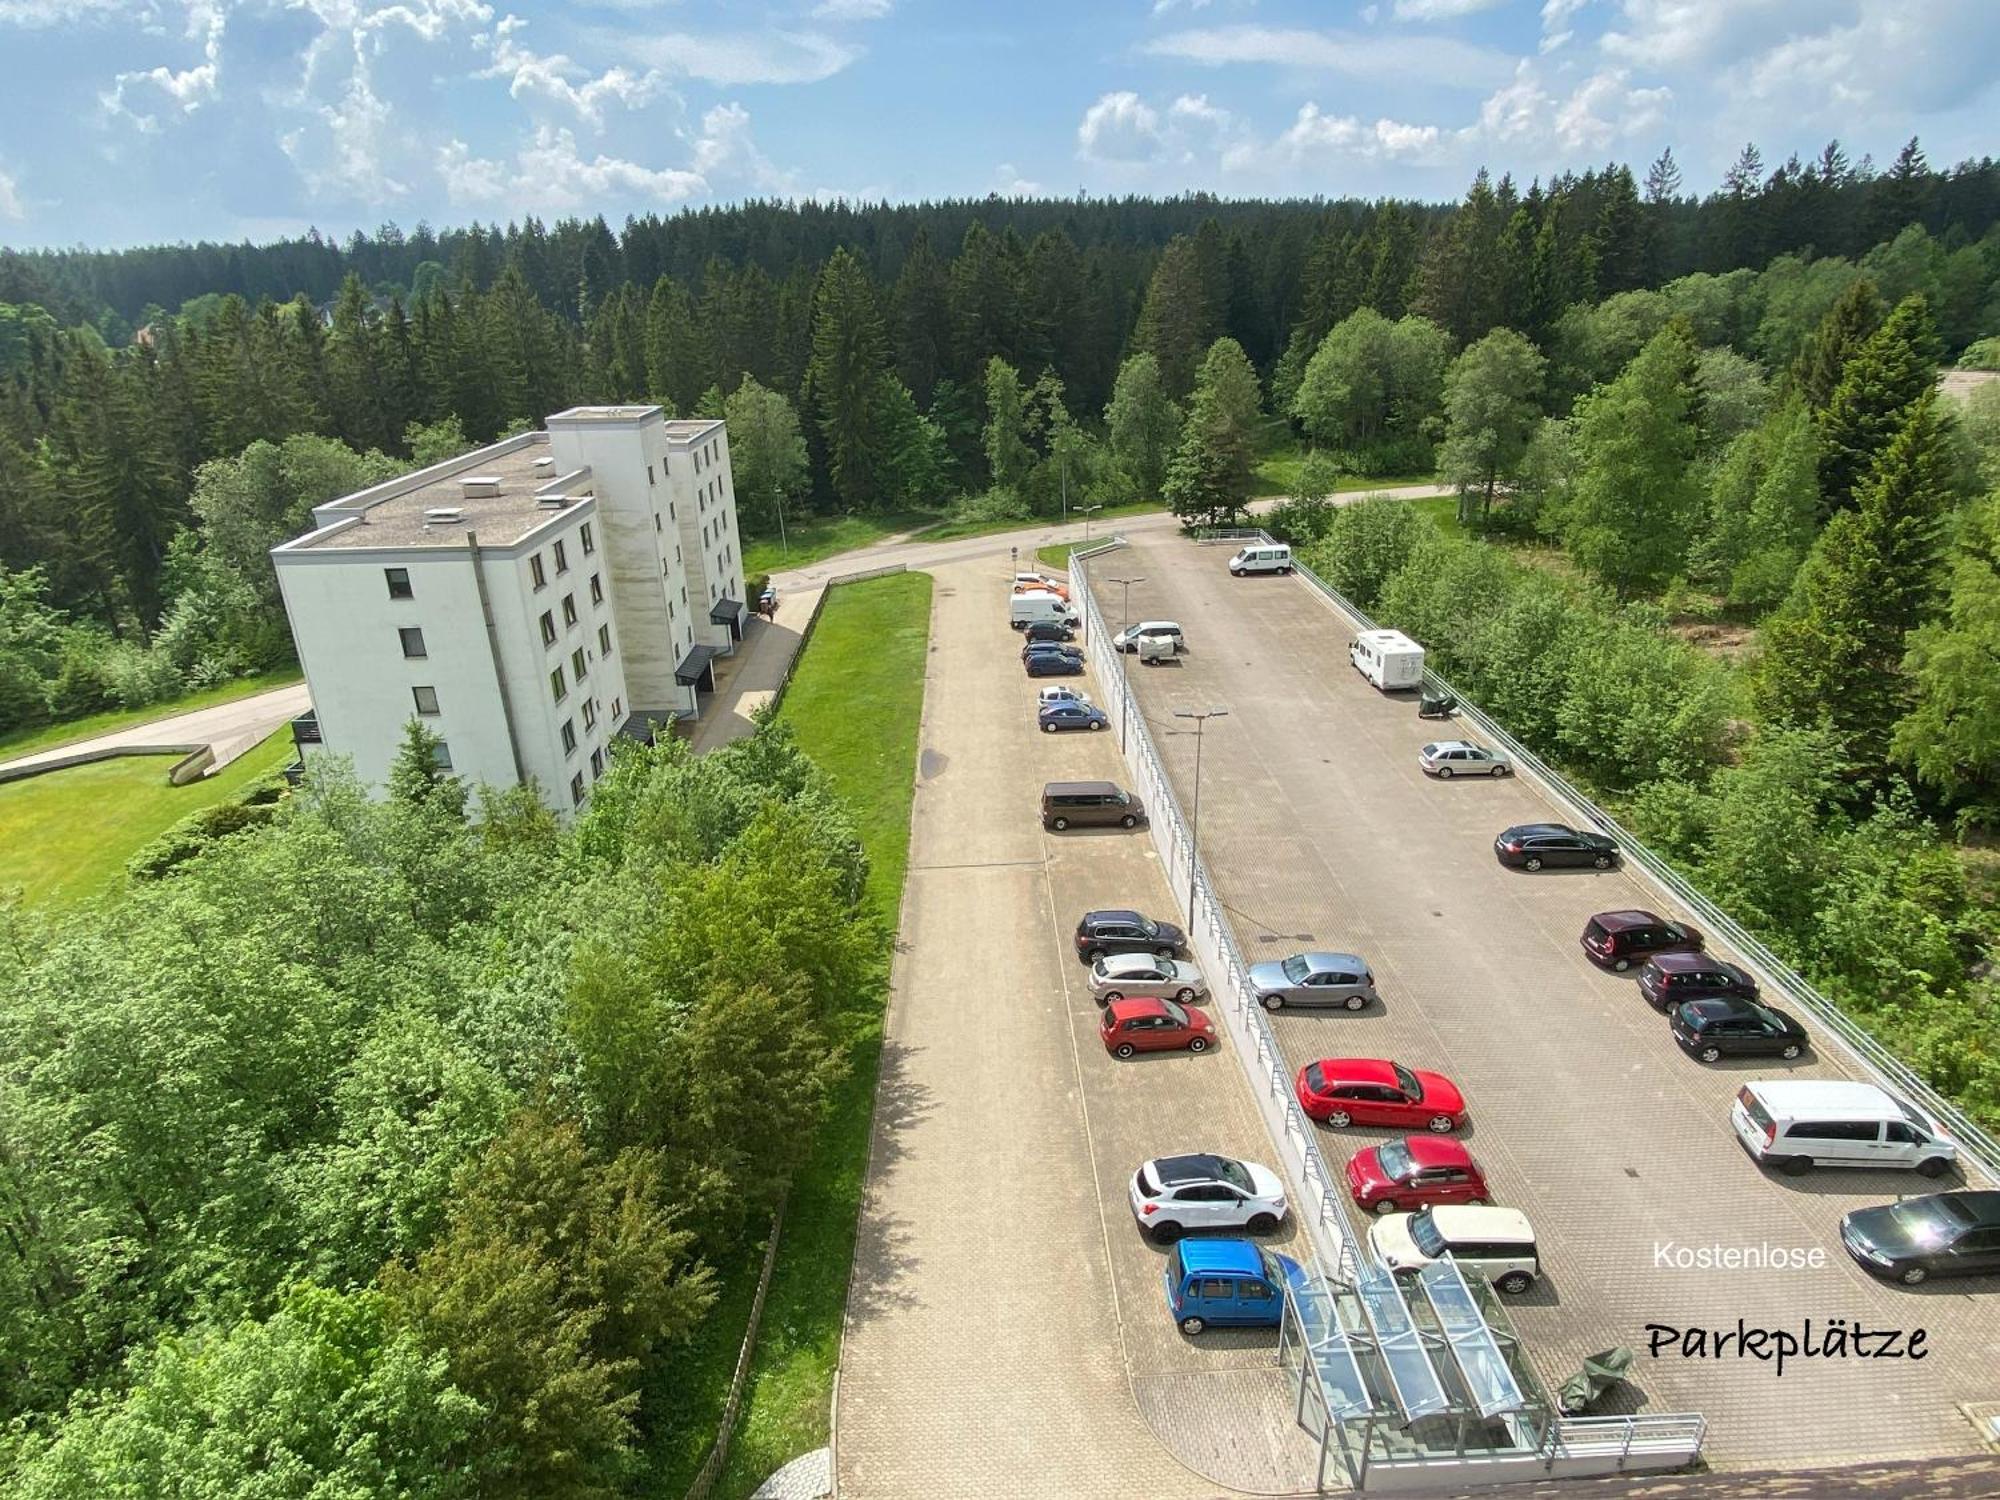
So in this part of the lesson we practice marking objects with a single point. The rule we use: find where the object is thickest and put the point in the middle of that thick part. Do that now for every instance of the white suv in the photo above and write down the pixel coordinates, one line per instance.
(1497, 1242)
(1172, 1195)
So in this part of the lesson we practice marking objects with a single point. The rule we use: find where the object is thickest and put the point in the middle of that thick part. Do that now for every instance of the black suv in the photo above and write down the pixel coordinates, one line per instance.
(1529, 846)
(1729, 1026)
(1102, 932)
(1048, 630)
(1670, 978)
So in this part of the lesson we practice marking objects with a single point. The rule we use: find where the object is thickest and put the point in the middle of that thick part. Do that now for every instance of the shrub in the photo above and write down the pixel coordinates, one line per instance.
(1984, 355)
(137, 676)
(193, 835)
(24, 697)
(1301, 522)
(80, 687)
(996, 504)
(1365, 543)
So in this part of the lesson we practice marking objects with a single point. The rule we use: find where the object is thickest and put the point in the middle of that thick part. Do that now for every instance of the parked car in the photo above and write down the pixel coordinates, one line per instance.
(1417, 1170)
(1089, 804)
(1128, 638)
(1261, 557)
(1689, 974)
(1945, 1234)
(1059, 692)
(1051, 664)
(1117, 975)
(1530, 846)
(1620, 939)
(1343, 1091)
(1313, 979)
(1172, 1195)
(1497, 1242)
(1051, 648)
(1449, 758)
(1730, 1026)
(1228, 1284)
(1028, 583)
(1071, 716)
(1796, 1124)
(1121, 931)
(1129, 1026)
(1049, 630)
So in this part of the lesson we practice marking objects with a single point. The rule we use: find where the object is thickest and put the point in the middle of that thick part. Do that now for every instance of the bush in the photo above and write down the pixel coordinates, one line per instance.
(1301, 522)
(997, 504)
(137, 676)
(1984, 355)
(24, 698)
(80, 688)
(1365, 543)
(194, 834)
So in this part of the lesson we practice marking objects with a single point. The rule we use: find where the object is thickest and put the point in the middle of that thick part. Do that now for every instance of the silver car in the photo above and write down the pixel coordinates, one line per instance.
(1123, 976)
(1060, 693)
(1449, 758)
(1340, 979)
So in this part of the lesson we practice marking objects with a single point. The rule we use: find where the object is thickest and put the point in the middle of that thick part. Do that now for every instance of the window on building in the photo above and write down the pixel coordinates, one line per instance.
(557, 685)
(548, 628)
(589, 541)
(535, 571)
(569, 609)
(441, 756)
(399, 583)
(562, 558)
(413, 641)
(576, 663)
(427, 700)
(677, 554)
(596, 764)
(604, 639)
(569, 737)
(576, 790)
(596, 588)
(617, 708)
(670, 510)
(656, 520)
(589, 713)
(684, 596)
(649, 473)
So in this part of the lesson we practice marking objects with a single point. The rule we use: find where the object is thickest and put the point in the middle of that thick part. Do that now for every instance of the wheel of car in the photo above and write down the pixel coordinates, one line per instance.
(1193, 1325)
(1500, 768)
(1109, 995)
(1791, 1050)
(1058, 824)
(1934, 1166)
(1273, 1002)
(1621, 964)
(1515, 1282)
(1128, 821)
(1339, 1117)
(1442, 1124)
(1049, 728)
(1912, 1275)
(1602, 862)
(1357, 1002)
(1163, 953)
(1475, 1202)
(1532, 862)
(1262, 1223)
(1123, 1049)
(1444, 773)
(1385, 1205)
(1184, 995)
(1092, 955)
(1166, 1233)
(1710, 1053)
(1795, 1166)
(1197, 1044)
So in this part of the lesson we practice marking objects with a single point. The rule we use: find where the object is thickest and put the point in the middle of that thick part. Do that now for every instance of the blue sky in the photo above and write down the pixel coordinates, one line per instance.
(131, 121)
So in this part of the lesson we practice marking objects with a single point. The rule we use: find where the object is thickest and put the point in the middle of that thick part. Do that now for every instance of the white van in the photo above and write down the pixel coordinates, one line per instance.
(1796, 1124)
(1387, 658)
(1128, 638)
(1261, 557)
(1497, 1242)
(1024, 610)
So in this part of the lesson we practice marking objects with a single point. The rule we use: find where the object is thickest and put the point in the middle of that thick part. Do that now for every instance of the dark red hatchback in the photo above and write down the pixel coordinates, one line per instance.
(1688, 974)
(1620, 939)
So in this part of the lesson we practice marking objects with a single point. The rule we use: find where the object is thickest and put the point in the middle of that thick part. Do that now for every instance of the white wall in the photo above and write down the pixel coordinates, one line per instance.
(705, 497)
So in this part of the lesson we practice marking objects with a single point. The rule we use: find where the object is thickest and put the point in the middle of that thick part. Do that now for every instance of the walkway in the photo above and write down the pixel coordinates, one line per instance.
(231, 728)
(750, 677)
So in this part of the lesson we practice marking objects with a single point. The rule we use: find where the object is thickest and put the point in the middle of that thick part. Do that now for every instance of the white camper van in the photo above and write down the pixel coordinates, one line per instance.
(1261, 557)
(1024, 610)
(1387, 658)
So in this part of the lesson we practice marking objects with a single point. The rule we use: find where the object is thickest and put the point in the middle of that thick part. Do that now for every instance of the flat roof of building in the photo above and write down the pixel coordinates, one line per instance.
(411, 511)
(628, 413)
(691, 427)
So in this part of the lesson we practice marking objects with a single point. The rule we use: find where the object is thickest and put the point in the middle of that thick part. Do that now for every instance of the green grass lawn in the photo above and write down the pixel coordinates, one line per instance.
(810, 541)
(869, 647)
(28, 741)
(1106, 516)
(69, 833)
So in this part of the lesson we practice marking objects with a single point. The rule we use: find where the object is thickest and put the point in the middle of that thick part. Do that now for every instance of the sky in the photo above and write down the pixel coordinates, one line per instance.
(140, 121)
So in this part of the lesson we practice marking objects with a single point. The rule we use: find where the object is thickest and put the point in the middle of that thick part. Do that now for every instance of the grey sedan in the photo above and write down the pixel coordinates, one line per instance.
(1449, 758)
(1340, 979)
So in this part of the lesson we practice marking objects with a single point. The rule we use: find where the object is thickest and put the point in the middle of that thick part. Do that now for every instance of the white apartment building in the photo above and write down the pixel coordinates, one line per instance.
(528, 602)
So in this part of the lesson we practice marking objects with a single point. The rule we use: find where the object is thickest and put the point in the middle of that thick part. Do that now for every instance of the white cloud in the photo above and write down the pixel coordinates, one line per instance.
(532, 75)
(186, 89)
(731, 59)
(1440, 61)
(1441, 10)
(1009, 183)
(1602, 109)
(1119, 127)
(11, 206)
(1314, 136)
(853, 10)
(35, 14)
(1195, 108)
(724, 150)
(1681, 33)
(551, 175)
(1886, 63)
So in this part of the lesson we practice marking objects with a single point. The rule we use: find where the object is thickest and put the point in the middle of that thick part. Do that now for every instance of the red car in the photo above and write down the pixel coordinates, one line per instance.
(1369, 1091)
(1131, 1026)
(1417, 1170)
(1620, 939)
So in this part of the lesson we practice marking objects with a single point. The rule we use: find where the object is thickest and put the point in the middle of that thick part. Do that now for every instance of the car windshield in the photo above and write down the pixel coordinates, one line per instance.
(1148, 926)
(1922, 1125)
(1296, 969)
(1407, 1082)
(1424, 1234)
(1175, 1014)
(1232, 1172)
(1123, 798)
(1933, 1221)
(1395, 1159)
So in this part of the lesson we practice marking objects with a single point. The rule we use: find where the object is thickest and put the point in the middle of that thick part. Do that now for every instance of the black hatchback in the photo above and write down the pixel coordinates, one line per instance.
(1530, 846)
(1730, 1026)
(1120, 931)
(1689, 974)
(1048, 630)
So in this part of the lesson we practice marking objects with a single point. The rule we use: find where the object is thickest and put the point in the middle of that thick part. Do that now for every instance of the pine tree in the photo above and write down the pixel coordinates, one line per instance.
(680, 362)
(1175, 323)
(1889, 372)
(1845, 328)
(921, 307)
(1210, 478)
(1008, 457)
(849, 359)
(354, 374)
(1143, 424)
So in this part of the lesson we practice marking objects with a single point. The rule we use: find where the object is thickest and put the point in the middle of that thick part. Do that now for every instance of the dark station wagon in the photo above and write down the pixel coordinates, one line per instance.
(1620, 939)
(1533, 846)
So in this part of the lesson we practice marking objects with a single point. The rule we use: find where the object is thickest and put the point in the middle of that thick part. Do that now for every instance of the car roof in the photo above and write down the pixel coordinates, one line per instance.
(1223, 1257)
(1357, 1070)
(1125, 1010)
(1686, 960)
(1528, 828)
(1436, 1151)
(1452, 745)
(1727, 1005)
(1464, 1221)
(1618, 921)
(1117, 963)
(1113, 914)
(1197, 1166)
(1825, 1098)
(1982, 1203)
(1319, 963)
(1073, 788)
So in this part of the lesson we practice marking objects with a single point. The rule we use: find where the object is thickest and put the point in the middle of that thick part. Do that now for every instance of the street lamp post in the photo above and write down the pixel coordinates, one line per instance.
(1088, 512)
(784, 550)
(1201, 718)
(1124, 676)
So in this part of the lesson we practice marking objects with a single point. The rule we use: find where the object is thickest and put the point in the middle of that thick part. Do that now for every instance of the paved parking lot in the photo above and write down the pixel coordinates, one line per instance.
(1321, 832)
(1006, 1334)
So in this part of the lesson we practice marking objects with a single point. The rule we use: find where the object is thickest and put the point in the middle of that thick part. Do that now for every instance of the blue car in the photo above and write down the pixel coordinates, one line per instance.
(1228, 1284)
(1056, 716)
(1052, 664)
(1051, 648)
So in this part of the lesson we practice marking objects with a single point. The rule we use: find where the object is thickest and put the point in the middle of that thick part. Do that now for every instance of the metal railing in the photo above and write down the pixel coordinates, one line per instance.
(1973, 1141)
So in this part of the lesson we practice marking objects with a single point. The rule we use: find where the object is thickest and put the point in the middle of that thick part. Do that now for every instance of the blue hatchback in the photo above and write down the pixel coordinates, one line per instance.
(1228, 1284)
(1054, 716)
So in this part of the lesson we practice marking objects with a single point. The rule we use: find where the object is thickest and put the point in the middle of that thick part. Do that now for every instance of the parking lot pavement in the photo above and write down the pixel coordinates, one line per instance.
(1005, 1330)
(1321, 832)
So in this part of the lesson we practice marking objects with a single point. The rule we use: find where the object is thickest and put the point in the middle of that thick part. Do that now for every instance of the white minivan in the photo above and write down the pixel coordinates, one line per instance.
(1024, 610)
(1261, 557)
(1387, 658)
(1498, 1242)
(1796, 1124)
(1128, 639)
